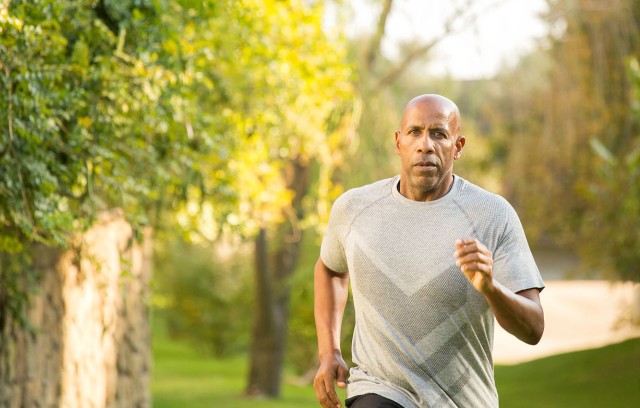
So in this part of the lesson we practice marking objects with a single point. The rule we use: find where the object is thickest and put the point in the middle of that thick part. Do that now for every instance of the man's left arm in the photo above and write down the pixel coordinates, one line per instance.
(518, 313)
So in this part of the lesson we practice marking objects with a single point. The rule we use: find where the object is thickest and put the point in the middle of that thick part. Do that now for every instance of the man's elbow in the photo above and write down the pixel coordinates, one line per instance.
(534, 326)
(534, 335)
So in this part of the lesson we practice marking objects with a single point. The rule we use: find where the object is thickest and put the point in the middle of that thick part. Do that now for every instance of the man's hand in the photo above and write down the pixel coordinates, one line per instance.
(476, 262)
(519, 313)
(332, 368)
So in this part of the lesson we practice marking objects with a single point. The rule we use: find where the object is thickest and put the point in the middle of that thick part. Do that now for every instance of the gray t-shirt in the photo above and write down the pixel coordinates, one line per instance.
(423, 335)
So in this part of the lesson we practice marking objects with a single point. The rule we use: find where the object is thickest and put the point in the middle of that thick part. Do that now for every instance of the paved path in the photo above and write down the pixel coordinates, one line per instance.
(578, 315)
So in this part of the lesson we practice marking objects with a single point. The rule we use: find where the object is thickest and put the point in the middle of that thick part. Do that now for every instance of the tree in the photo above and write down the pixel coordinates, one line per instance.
(87, 125)
(223, 114)
(293, 143)
(384, 84)
(77, 136)
(568, 134)
(376, 113)
(611, 220)
(587, 93)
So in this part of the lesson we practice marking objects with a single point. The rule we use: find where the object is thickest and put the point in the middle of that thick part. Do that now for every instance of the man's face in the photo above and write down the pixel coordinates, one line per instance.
(428, 142)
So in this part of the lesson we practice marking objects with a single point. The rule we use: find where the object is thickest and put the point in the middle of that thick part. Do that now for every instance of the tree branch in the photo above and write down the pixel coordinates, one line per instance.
(103, 14)
(463, 14)
(374, 48)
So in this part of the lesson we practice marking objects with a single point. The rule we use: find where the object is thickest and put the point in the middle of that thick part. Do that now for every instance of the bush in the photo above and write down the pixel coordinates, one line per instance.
(203, 297)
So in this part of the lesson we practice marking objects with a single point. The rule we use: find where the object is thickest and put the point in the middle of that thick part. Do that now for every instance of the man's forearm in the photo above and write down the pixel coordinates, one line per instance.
(519, 313)
(330, 297)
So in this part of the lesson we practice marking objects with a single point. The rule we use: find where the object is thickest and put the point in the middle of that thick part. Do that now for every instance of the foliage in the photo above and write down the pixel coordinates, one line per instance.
(131, 104)
(603, 91)
(302, 345)
(202, 298)
(613, 216)
(79, 134)
(542, 121)
(16, 286)
(285, 99)
(84, 124)
(185, 114)
(284, 95)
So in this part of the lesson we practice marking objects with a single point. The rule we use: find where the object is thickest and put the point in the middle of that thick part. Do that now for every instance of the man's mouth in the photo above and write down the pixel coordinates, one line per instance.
(425, 166)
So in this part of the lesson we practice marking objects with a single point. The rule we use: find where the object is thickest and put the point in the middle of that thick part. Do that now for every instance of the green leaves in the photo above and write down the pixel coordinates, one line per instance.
(184, 114)
(139, 104)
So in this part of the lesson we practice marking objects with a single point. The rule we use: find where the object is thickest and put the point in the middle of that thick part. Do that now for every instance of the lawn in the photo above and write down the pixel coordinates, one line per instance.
(606, 377)
(184, 378)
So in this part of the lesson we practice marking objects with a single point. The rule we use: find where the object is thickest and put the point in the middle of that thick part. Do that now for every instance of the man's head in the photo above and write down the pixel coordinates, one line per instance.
(428, 142)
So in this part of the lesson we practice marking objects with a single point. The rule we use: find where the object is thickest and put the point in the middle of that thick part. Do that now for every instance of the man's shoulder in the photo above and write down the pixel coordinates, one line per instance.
(359, 197)
(370, 192)
(474, 195)
(470, 190)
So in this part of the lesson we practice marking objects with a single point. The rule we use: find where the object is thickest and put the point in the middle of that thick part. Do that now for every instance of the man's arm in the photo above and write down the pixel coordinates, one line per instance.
(331, 290)
(519, 313)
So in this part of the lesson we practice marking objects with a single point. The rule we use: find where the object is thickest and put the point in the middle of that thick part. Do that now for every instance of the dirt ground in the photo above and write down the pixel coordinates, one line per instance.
(578, 315)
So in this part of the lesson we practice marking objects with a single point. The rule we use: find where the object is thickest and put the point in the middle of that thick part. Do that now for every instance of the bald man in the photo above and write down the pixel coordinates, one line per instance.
(432, 259)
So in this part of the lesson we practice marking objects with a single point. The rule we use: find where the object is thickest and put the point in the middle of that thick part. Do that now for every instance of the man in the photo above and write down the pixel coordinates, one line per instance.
(432, 259)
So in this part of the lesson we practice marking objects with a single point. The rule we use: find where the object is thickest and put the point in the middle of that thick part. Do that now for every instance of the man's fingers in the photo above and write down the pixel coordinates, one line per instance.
(468, 246)
(464, 247)
(326, 391)
(476, 267)
(332, 369)
(470, 257)
(342, 377)
(324, 399)
(331, 392)
(465, 241)
(323, 393)
(474, 257)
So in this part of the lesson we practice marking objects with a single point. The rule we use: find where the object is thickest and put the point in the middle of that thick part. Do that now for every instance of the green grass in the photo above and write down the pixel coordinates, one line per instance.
(606, 377)
(184, 378)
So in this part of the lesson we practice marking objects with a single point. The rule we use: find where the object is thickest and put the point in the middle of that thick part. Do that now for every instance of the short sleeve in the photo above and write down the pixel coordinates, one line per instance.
(513, 262)
(332, 250)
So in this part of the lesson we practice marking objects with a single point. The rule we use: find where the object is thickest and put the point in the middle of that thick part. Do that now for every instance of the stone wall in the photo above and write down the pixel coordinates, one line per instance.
(90, 342)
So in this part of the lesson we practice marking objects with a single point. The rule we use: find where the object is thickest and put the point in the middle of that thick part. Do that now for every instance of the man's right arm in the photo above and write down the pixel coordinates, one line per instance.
(331, 291)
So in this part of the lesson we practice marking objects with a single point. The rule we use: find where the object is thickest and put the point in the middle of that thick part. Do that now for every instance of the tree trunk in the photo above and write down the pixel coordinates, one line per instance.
(89, 345)
(272, 275)
(267, 345)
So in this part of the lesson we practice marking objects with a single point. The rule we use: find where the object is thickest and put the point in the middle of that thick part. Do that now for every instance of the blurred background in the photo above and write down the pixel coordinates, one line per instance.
(167, 169)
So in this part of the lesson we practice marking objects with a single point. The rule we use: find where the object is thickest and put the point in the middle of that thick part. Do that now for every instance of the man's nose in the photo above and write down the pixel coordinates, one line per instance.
(425, 144)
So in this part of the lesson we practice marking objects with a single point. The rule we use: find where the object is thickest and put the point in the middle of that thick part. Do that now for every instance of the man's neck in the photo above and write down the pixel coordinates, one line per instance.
(436, 193)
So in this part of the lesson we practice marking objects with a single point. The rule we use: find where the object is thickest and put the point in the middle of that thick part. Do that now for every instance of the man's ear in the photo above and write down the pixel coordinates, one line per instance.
(459, 145)
(397, 136)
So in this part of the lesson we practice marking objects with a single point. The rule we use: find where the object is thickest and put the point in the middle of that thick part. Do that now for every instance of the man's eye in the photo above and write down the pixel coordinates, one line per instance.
(414, 132)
